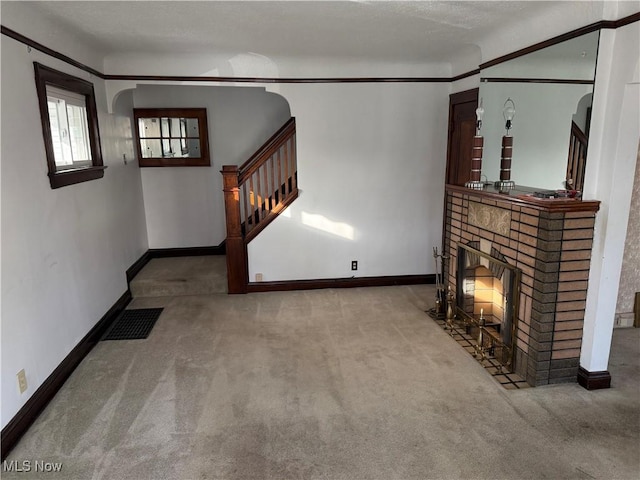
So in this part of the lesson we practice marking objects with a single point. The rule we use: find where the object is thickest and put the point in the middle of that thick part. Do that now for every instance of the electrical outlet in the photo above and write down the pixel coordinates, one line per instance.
(22, 381)
(354, 264)
(258, 277)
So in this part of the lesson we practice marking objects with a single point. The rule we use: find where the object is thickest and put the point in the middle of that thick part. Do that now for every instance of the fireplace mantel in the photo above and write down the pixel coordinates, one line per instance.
(550, 241)
(524, 196)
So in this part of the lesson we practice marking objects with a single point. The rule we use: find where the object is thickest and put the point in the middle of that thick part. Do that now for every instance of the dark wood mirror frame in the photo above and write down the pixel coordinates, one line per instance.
(60, 178)
(203, 134)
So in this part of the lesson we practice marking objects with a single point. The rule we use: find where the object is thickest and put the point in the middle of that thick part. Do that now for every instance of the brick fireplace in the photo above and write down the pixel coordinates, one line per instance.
(549, 241)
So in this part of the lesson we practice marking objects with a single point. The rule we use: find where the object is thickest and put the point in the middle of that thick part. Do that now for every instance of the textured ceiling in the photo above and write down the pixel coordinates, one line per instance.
(398, 31)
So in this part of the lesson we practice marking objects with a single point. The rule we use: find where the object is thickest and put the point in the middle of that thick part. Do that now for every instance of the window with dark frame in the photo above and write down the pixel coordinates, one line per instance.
(172, 137)
(69, 126)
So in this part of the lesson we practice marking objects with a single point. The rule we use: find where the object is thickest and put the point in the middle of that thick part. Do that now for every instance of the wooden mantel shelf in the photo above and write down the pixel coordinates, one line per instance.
(523, 196)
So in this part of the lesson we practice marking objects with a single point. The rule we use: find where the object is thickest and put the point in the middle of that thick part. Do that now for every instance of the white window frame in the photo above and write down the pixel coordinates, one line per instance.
(68, 153)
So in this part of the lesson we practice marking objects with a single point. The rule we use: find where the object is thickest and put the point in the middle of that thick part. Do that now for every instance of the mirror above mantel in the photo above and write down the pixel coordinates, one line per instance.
(552, 89)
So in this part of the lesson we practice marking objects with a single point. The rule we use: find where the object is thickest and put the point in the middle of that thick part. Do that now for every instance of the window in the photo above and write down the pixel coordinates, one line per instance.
(70, 127)
(172, 137)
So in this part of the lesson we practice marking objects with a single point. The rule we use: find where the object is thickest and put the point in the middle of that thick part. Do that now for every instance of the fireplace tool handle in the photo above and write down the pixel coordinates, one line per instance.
(440, 295)
(479, 348)
(439, 305)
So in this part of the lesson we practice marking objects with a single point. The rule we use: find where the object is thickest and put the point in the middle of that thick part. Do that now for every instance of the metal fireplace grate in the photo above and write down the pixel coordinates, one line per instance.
(508, 380)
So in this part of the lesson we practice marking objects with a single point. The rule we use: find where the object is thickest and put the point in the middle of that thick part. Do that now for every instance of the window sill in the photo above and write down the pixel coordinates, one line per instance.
(71, 177)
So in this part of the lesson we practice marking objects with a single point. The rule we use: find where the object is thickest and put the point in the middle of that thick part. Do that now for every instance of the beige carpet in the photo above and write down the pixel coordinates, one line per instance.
(326, 384)
(175, 276)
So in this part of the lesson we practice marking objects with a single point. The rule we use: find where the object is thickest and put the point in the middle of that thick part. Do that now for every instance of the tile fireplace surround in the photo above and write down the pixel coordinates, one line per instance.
(550, 241)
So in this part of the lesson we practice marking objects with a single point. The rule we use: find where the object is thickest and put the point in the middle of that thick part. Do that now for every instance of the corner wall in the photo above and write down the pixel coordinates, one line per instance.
(64, 251)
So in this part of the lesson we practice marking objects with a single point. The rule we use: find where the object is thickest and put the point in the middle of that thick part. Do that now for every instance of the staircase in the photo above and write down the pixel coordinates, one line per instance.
(255, 193)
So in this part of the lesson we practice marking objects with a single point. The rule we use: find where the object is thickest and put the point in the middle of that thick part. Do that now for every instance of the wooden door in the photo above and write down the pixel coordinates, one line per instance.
(462, 129)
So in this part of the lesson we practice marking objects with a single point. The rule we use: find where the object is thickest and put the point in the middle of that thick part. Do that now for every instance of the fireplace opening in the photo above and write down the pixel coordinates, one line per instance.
(486, 297)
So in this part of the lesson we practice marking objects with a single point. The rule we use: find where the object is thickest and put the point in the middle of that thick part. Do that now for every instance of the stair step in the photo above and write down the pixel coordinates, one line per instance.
(178, 276)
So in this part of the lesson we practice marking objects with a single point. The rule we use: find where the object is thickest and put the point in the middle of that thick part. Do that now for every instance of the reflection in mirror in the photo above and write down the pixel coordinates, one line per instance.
(192, 127)
(552, 90)
(172, 137)
(169, 137)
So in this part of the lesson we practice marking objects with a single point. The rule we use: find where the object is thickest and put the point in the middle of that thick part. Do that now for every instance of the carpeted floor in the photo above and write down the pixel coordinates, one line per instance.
(175, 276)
(326, 384)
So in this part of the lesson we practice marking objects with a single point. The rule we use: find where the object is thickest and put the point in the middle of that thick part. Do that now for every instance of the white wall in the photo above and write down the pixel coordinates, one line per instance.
(185, 205)
(26, 19)
(254, 65)
(64, 251)
(611, 160)
(371, 164)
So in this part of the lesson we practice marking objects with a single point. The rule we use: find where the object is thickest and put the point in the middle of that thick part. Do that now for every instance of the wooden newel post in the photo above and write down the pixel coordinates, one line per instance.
(237, 272)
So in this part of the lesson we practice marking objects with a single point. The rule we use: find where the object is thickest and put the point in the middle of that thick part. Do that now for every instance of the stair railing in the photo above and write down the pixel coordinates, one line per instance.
(255, 193)
(576, 164)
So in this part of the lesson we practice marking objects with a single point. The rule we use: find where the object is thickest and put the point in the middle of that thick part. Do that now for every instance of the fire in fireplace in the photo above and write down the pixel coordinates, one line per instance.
(487, 295)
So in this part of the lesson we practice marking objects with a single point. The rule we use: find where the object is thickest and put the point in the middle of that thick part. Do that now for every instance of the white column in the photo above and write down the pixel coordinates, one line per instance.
(613, 150)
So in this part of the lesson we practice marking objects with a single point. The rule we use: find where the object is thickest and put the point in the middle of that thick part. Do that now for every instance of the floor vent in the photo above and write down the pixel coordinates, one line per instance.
(133, 324)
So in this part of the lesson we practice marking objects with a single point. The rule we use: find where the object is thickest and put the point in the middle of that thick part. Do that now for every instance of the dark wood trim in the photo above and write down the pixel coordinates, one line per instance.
(290, 285)
(204, 160)
(138, 265)
(634, 17)
(465, 75)
(518, 196)
(47, 51)
(71, 177)
(636, 311)
(602, 24)
(180, 78)
(25, 417)
(536, 80)
(467, 96)
(594, 380)
(237, 264)
(267, 149)
(187, 251)
(540, 45)
(45, 76)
